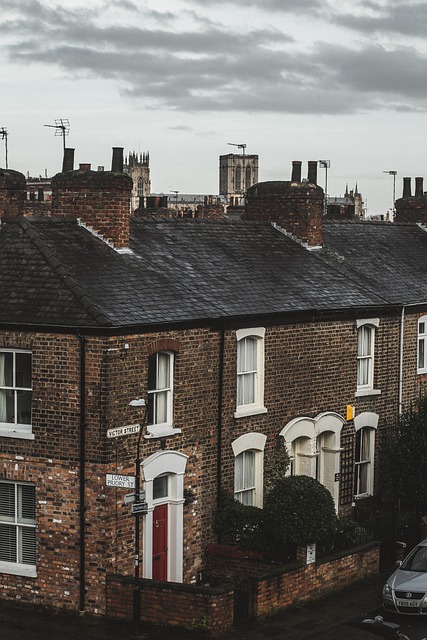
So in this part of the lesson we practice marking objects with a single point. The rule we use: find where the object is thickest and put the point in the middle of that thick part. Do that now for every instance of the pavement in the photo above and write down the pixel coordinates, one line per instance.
(334, 617)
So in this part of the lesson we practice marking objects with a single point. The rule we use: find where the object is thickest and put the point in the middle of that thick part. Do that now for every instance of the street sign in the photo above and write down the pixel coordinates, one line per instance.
(140, 508)
(123, 431)
(132, 497)
(116, 480)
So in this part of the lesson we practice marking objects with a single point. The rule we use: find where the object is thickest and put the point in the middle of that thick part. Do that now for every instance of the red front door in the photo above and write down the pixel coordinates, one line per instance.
(160, 542)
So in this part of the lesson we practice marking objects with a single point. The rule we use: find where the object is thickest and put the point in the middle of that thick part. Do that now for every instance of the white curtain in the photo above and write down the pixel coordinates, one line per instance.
(246, 370)
(365, 355)
(163, 386)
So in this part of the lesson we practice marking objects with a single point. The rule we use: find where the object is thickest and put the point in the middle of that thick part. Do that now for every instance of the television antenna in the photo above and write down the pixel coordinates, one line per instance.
(3, 135)
(62, 128)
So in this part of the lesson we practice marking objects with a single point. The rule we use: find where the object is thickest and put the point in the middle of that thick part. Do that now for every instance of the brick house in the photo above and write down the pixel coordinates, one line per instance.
(240, 336)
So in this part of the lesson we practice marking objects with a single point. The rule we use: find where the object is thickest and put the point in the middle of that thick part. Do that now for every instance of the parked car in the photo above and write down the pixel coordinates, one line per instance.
(406, 589)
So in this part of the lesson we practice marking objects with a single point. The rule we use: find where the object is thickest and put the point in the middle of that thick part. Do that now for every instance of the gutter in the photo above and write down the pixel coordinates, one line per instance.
(220, 402)
(82, 476)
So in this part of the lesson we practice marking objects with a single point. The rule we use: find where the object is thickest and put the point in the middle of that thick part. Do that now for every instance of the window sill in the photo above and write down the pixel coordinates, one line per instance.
(14, 569)
(250, 410)
(367, 392)
(161, 432)
(6, 432)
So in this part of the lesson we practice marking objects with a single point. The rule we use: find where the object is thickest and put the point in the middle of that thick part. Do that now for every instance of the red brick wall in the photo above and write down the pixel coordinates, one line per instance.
(100, 199)
(297, 207)
(186, 606)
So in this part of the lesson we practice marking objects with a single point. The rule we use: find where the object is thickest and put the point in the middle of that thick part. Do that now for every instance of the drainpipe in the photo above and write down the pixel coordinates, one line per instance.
(402, 326)
(82, 470)
(220, 394)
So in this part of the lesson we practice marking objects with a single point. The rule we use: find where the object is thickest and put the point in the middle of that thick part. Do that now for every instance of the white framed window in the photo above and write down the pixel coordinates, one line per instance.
(17, 529)
(15, 393)
(365, 443)
(365, 356)
(314, 447)
(160, 389)
(250, 371)
(365, 424)
(249, 468)
(422, 345)
(244, 477)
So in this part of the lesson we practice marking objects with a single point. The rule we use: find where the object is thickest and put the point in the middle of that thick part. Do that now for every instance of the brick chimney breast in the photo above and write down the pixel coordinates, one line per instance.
(13, 193)
(297, 207)
(100, 199)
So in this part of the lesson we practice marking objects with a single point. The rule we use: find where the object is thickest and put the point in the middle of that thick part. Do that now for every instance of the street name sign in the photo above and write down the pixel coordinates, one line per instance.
(116, 480)
(123, 431)
(139, 508)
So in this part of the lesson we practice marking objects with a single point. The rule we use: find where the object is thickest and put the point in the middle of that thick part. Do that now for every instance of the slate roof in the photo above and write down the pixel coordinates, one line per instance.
(55, 272)
(386, 258)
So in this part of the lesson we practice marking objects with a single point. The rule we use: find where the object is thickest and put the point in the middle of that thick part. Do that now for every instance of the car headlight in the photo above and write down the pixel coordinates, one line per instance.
(387, 593)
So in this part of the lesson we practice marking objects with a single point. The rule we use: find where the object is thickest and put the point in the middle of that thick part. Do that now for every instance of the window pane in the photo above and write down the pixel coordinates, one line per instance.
(421, 354)
(7, 502)
(362, 483)
(26, 504)
(152, 372)
(238, 472)
(363, 371)
(160, 487)
(7, 406)
(23, 370)
(249, 469)
(27, 545)
(7, 543)
(161, 407)
(24, 406)
(7, 370)
(421, 327)
(163, 371)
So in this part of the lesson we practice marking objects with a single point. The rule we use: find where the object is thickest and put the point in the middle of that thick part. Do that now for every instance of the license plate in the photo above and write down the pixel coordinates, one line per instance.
(408, 603)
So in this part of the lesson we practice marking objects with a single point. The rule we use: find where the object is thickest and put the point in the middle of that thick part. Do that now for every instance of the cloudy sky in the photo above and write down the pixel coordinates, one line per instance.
(343, 80)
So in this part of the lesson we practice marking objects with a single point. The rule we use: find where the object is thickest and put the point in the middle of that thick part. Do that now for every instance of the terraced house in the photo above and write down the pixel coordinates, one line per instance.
(240, 336)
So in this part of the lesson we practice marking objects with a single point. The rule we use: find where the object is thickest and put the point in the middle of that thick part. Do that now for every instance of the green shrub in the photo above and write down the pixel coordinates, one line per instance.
(300, 510)
(275, 467)
(239, 525)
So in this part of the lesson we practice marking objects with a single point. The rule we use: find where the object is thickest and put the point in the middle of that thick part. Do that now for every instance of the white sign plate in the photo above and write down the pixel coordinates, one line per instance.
(115, 480)
(123, 431)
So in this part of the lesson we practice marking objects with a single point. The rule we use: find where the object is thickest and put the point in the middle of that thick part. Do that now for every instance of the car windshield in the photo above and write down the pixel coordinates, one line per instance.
(416, 561)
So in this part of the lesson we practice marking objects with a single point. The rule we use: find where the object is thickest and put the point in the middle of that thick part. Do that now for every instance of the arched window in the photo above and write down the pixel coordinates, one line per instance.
(140, 187)
(248, 468)
(250, 371)
(238, 179)
(248, 177)
(365, 355)
(365, 425)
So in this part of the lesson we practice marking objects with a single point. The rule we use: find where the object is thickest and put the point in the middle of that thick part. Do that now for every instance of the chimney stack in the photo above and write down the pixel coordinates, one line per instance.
(419, 186)
(117, 160)
(296, 171)
(12, 193)
(312, 171)
(68, 160)
(407, 191)
(100, 199)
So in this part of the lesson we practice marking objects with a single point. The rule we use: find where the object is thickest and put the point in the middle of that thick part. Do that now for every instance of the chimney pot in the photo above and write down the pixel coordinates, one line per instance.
(407, 191)
(312, 171)
(419, 186)
(68, 161)
(296, 171)
(117, 160)
(84, 167)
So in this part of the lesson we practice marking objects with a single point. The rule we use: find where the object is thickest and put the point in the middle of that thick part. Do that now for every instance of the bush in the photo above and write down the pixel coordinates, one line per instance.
(239, 525)
(275, 468)
(300, 510)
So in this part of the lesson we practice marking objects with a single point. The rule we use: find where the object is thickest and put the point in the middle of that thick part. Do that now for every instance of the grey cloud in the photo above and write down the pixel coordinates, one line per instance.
(402, 18)
(219, 70)
(279, 6)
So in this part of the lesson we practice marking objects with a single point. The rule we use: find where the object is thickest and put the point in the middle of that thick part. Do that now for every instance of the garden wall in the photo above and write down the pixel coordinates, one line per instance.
(212, 608)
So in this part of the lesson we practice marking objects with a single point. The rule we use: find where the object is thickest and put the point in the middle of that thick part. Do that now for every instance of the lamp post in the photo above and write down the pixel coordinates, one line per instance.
(138, 402)
(394, 174)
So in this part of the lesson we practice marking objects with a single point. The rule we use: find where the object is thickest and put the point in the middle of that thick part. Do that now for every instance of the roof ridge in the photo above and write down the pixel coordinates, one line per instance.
(70, 282)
